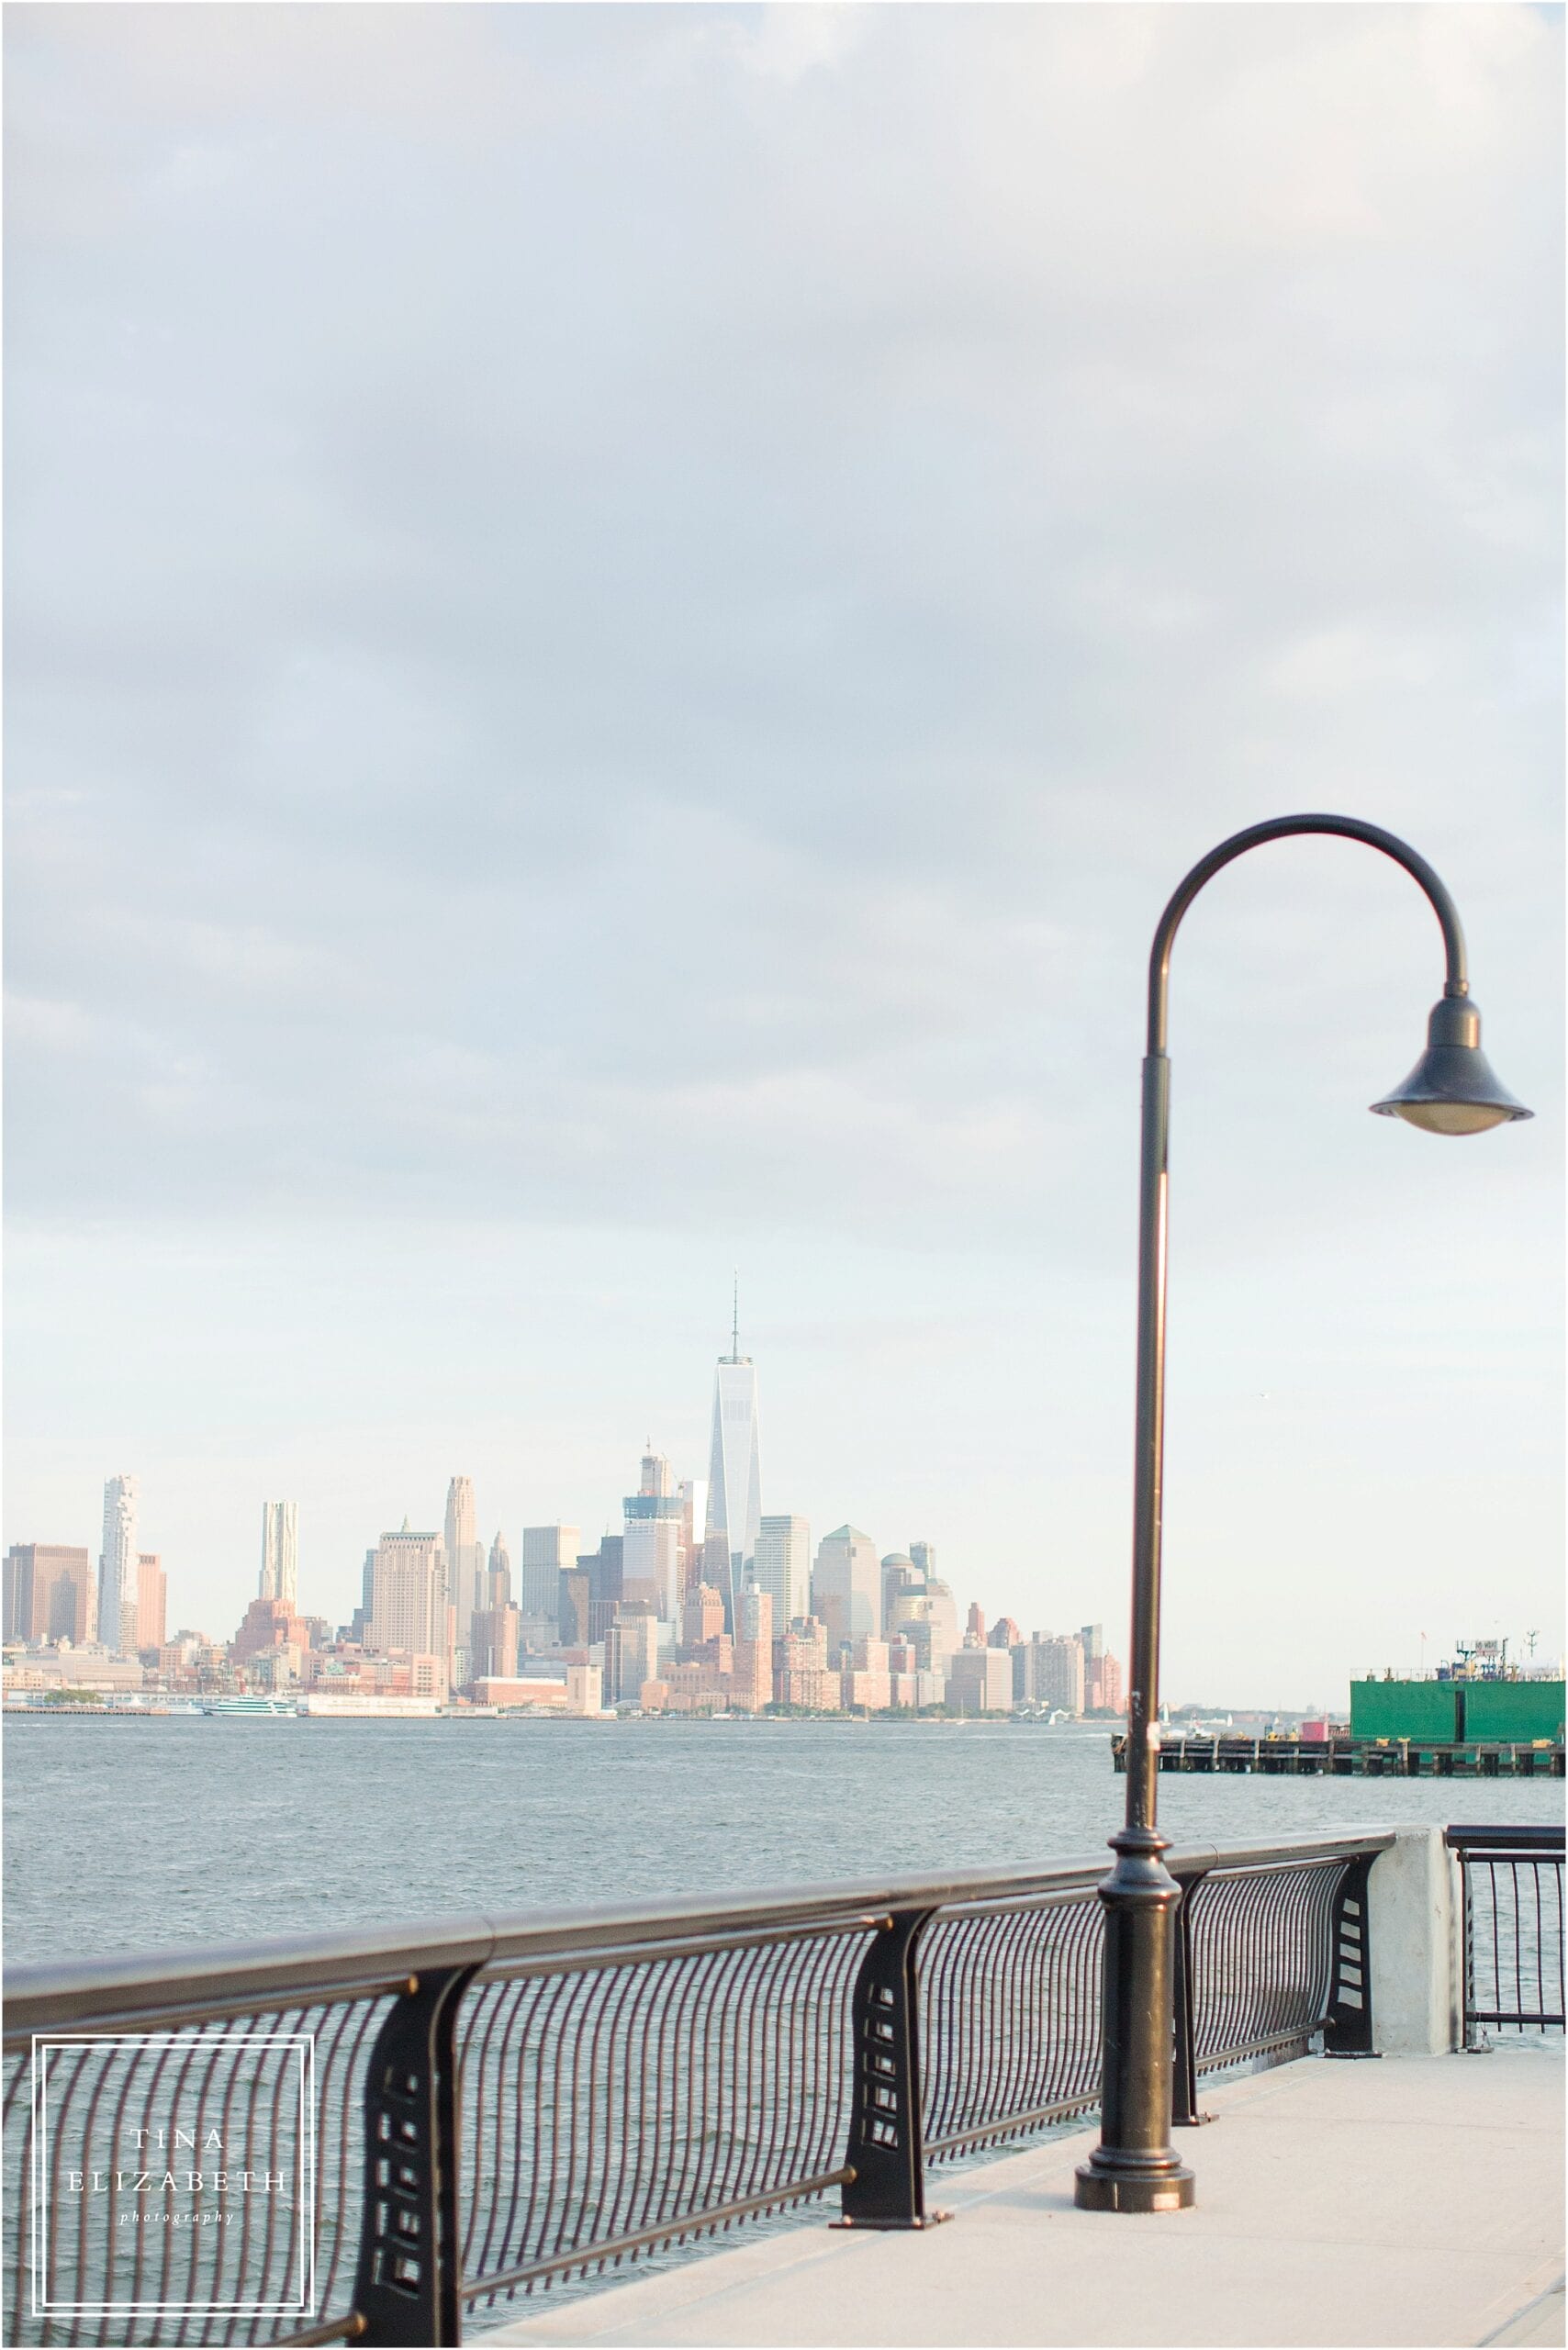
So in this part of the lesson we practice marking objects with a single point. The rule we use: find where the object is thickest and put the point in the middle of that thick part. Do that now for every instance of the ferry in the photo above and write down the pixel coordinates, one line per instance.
(285, 1705)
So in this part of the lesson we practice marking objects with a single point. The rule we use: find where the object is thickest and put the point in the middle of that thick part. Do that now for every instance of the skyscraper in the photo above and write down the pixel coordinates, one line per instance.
(1052, 1671)
(734, 1478)
(117, 1567)
(901, 1577)
(280, 1553)
(152, 1600)
(51, 1593)
(693, 1496)
(492, 1637)
(847, 1587)
(630, 1652)
(499, 1590)
(605, 1570)
(548, 1553)
(651, 1552)
(751, 1685)
(464, 1564)
(408, 1597)
(782, 1567)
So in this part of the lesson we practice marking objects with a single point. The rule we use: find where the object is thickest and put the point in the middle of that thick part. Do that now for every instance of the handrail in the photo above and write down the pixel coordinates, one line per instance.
(505, 2100)
(1533, 1837)
(1512, 1925)
(186, 1984)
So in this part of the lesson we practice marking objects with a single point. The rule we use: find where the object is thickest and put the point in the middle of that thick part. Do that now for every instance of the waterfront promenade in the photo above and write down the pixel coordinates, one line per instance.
(1413, 2200)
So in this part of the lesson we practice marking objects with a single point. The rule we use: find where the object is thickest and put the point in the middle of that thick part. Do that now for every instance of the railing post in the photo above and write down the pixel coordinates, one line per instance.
(1184, 2113)
(884, 2152)
(406, 2291)
(1348, 2030)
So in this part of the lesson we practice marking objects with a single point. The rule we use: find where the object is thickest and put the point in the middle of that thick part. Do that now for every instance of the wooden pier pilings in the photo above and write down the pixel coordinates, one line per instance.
(1354, 1758)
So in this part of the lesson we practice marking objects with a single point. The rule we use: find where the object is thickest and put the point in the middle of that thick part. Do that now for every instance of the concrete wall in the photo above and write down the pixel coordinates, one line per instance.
(1414, 1917)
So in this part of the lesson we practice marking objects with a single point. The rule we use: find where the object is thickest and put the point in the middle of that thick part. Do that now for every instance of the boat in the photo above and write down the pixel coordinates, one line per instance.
(289, 1706)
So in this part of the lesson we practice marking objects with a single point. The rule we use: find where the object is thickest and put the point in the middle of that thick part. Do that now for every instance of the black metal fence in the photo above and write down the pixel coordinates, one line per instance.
(336, 2138)
(1513, 1929)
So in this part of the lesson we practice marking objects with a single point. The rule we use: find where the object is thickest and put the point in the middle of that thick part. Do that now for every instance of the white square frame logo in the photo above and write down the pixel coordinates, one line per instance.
(302, 2046)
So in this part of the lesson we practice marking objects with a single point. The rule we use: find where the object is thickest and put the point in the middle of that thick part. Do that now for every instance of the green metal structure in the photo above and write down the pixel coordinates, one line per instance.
(1511, 1710)
(1464, 1711)
(1403, 1709)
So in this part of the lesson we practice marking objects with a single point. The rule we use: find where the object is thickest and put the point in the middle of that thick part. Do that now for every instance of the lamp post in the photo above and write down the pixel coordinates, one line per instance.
(1450, 1090)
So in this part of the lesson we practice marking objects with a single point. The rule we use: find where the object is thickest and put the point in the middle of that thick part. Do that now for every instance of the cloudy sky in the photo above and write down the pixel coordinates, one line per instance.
(619, 621)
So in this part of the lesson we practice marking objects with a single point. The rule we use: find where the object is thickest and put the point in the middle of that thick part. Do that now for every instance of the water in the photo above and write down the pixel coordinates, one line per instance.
(173, 1831)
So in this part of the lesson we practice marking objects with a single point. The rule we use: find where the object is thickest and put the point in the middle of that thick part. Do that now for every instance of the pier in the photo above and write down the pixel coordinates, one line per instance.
(1357, 1758)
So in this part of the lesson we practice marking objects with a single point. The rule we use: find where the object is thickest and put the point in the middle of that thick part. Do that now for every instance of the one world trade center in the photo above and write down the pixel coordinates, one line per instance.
(734, 1479)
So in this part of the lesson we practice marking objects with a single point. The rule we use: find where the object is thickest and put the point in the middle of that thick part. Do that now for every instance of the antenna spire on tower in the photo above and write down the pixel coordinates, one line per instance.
(736, 1322)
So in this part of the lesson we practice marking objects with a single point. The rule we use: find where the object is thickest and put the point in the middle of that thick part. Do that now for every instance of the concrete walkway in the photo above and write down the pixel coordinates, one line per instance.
(1416, 2199)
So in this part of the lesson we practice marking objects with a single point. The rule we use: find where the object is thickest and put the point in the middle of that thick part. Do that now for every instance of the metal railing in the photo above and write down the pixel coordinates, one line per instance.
(385, 2135)
(1513, 1928)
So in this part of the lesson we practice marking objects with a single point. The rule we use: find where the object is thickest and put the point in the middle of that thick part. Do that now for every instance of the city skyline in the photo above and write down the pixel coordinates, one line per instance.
(852, 1602)
(792, 1559)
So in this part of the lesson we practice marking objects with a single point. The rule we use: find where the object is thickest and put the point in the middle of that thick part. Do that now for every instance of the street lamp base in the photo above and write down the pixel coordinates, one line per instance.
(1109, 2188)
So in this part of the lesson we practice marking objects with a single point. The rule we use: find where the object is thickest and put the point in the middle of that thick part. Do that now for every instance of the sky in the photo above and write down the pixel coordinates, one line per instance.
(620, 618)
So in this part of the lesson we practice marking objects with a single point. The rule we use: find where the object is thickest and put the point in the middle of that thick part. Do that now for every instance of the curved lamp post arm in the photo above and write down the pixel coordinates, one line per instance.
(1281, 828)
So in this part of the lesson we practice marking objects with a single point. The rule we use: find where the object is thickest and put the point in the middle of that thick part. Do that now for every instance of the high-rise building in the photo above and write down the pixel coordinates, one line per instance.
(117, 1567)
(801, 1675)
(847, 1587)
(573, 1605)
(17, 1609)
(923, 1556)
(51, 1593)
(692, 1495)
(900, 1578)
(942, 1616)
(651, 1562)
(782, 1566)
(492, 1642)
(702, 1617)
(498, 1592)
(408, 1603)
(152, 1600)
(465, 1566)
(751, 1682)
(1050, 1667)
(272, 1629)
(548, 1553)
(357, 1629)
(922, 1612)
(734, 1476)
(630, 1652)
(1093, 1636)
(867, 1680)
(980, 1680)
(280, 1553)
(1004, 1634)
(975, 1628)
(606, 1570)
(1102, 1683)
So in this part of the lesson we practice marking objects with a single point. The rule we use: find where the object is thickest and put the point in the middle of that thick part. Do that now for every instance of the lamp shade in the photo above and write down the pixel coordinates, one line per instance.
(1452, 1088)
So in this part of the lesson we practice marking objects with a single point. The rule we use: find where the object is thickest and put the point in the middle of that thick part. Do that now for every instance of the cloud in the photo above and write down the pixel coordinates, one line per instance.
(640, 607)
